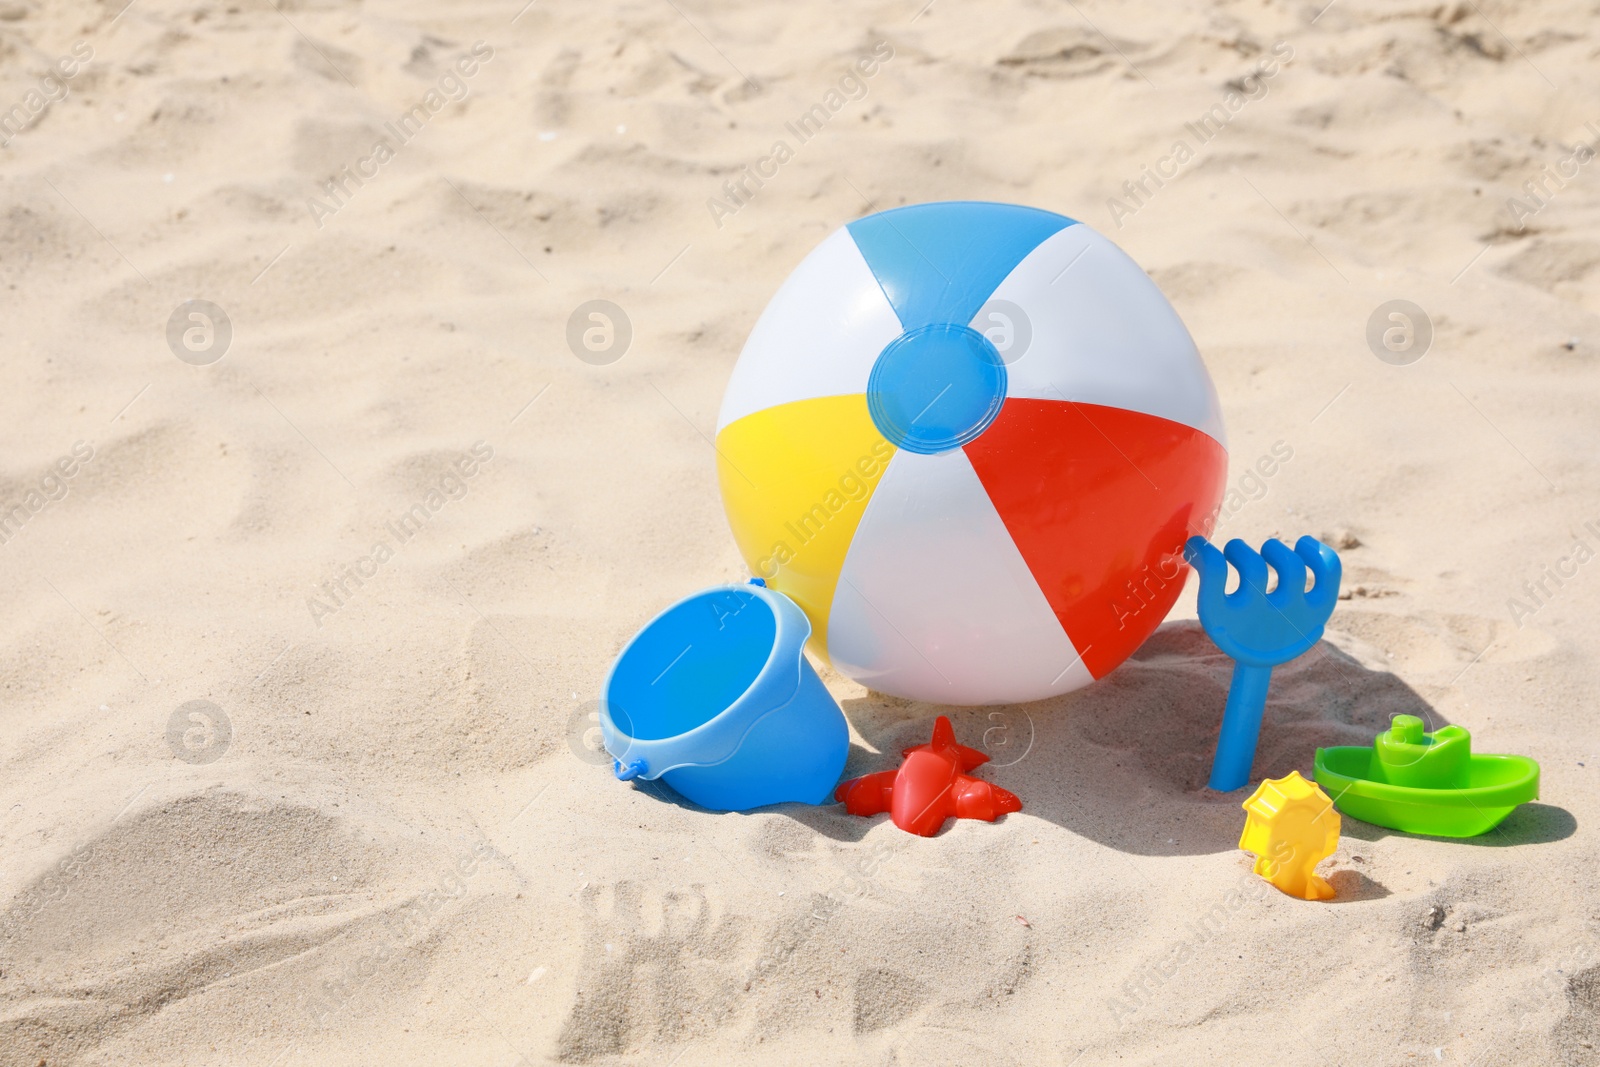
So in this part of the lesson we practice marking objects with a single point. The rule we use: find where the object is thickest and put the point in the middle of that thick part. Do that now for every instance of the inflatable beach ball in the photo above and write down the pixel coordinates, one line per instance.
(969, 440)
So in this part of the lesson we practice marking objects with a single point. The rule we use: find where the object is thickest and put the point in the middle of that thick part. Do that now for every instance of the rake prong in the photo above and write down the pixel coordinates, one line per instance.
(1326, 571)
(1291, 572)
(1196, 549)
(1205, 558)
(1251, 567)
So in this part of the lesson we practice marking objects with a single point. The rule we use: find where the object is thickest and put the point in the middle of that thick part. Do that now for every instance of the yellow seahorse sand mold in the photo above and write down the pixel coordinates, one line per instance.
(1291, 827)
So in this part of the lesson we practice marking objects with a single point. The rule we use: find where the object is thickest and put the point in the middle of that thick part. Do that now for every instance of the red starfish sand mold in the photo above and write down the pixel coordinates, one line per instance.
(930, 787)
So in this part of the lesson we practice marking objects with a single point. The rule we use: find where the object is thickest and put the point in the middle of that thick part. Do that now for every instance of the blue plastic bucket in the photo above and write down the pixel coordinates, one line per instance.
(715, 697)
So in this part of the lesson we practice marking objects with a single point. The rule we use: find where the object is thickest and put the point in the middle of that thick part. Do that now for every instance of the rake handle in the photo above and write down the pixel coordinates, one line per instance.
(1241, 726)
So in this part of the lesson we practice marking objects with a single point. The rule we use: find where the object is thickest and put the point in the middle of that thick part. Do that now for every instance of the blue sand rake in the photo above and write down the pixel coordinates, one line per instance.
(1259, 630)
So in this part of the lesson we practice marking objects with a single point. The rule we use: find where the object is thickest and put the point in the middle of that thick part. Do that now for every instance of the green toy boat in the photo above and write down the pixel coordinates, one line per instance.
(1426, 783)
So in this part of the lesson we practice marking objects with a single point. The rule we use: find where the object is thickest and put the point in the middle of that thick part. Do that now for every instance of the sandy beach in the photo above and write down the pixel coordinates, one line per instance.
(320, 526)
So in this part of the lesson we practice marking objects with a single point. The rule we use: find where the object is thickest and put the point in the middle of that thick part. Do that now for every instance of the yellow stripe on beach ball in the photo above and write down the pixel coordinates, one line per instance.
(796, 480)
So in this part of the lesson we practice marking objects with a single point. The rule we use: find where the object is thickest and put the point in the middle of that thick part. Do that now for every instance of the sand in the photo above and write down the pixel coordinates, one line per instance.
(393, 531)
